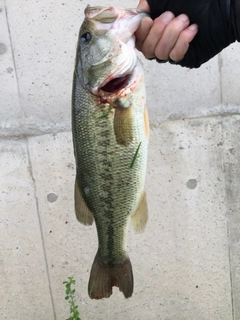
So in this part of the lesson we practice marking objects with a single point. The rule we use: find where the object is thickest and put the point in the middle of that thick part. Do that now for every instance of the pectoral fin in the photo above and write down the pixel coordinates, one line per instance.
(140, 217)
(123, 125)
(83, 213)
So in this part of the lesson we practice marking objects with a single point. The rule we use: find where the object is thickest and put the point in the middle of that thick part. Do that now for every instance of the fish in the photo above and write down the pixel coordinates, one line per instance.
(110, 131)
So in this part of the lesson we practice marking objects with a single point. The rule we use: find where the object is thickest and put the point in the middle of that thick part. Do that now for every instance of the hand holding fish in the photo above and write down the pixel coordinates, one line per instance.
(166, 37)
(187, 32)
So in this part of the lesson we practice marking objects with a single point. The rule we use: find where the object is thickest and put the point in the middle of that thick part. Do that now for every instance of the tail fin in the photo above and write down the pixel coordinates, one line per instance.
(104, 277)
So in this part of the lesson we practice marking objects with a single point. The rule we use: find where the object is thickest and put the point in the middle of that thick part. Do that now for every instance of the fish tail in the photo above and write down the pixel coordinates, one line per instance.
(103, 277)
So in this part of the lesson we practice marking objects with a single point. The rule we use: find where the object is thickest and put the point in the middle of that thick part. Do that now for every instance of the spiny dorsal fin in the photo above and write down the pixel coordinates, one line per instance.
(140, 217)
(83, 213)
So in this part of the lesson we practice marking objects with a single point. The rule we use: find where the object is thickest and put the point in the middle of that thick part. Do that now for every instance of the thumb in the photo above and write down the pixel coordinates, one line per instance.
(143, 5)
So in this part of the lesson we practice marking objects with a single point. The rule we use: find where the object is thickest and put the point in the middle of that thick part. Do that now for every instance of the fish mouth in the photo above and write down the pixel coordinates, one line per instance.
(116, 84)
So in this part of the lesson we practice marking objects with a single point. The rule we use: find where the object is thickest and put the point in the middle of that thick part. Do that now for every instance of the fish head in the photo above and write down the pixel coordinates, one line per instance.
(106, 55)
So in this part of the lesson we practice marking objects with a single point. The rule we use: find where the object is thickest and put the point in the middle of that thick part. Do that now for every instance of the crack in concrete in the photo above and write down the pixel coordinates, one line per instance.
(13, 58)
(31, 135)
(230, 270)
(220, 62)
(41, 231)
(228, 227)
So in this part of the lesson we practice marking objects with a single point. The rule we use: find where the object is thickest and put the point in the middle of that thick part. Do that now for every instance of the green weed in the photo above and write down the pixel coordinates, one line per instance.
(135, 156)
(71, 299)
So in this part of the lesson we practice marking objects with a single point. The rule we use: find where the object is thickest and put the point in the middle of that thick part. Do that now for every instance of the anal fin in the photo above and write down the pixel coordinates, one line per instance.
(140, 217)
(83, 213)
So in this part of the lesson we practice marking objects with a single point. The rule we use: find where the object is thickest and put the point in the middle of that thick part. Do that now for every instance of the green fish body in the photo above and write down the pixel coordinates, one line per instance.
(110, 138)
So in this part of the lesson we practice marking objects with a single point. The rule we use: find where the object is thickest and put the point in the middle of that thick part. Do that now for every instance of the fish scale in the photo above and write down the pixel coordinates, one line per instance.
(109, 190)
(109, 176)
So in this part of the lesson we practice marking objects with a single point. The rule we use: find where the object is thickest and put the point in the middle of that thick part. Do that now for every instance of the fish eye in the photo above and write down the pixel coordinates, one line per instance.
(86, 37)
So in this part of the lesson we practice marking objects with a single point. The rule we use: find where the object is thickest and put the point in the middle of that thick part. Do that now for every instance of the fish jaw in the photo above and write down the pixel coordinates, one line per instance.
(110, 54)
(116, 88)
(121, 77)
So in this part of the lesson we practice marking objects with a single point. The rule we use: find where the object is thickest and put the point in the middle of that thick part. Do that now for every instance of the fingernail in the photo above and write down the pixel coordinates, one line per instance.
(193, 27)
(183, 18)
(167, 16)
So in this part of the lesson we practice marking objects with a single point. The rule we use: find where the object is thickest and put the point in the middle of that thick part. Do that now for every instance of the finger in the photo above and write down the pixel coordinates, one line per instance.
(143, 5)
(182, 44)
(155, 33)
(143, 31)
(170, 36)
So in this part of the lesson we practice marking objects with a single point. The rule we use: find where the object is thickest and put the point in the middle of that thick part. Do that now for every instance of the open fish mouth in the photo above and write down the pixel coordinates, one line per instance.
(116, 84)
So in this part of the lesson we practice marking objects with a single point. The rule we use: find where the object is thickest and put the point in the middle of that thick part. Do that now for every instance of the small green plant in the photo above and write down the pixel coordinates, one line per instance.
(71, 299)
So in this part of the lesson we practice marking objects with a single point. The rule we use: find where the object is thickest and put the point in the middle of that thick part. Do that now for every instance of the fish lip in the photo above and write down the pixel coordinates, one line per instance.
(143, 13)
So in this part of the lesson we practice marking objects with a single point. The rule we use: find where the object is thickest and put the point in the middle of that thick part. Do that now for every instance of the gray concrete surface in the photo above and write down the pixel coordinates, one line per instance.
(187, 262)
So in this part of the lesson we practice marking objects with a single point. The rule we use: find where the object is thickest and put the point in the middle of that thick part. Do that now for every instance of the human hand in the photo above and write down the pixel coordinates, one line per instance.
(172, 35)
(167, 37)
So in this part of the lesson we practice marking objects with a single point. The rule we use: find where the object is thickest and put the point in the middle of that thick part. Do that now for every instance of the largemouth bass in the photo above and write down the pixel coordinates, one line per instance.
(110, 137)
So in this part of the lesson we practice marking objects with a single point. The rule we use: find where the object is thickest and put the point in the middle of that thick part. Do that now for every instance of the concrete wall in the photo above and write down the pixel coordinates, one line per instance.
(187, 262)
